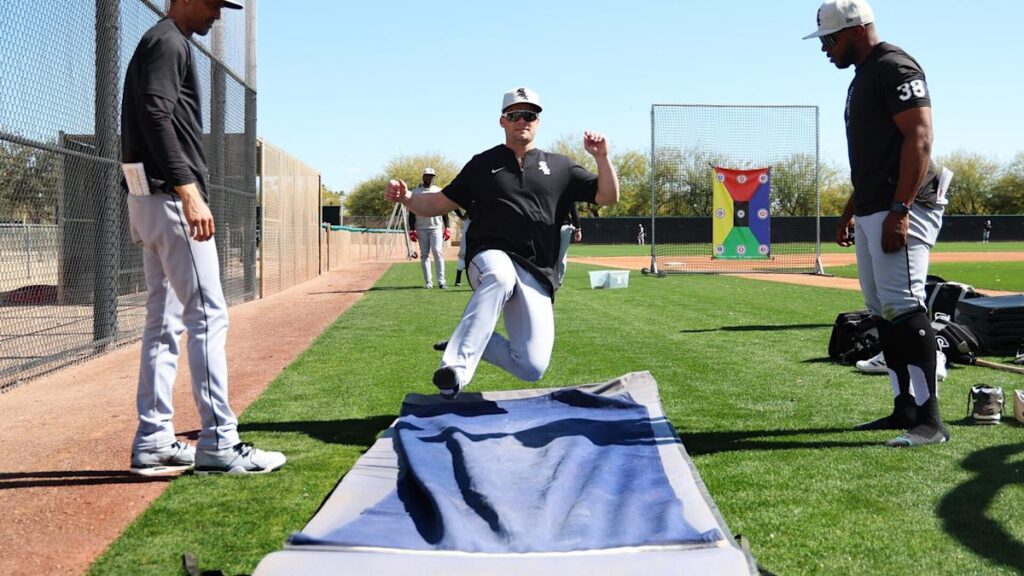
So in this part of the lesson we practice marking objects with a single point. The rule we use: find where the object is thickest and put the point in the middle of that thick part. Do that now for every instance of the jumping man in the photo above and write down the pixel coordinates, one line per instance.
(522, 195)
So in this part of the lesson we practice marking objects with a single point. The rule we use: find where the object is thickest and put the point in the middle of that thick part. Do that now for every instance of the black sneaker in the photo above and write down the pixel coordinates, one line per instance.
(920, 435)
(441, 345)
(447, 383)
(987, 402)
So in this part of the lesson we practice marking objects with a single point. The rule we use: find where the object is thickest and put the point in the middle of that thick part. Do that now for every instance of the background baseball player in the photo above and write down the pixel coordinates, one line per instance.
(169, 216)
(460, 262)
(521, 195)
(430, 232)
(898, 203)
(570, 232)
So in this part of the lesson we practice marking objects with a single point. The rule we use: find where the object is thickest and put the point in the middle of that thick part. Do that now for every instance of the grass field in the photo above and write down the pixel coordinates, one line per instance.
(827, 247)
(1008, 276)
(743, 378)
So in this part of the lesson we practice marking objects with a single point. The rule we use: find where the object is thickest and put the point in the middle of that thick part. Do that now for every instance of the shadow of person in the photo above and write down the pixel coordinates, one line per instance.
(964, 510)
(352, 432)
(61, 478)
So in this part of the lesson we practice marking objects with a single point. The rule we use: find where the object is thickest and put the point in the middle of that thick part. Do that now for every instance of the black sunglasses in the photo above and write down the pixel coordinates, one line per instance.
(516, 115)
(829, 40)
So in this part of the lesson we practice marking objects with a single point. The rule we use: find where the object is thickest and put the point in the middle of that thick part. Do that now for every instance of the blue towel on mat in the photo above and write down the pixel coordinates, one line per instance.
(566, 471)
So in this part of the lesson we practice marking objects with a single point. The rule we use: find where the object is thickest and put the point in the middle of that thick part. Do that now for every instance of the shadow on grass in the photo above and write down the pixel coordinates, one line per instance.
(63, 478)
(758, 328)
(822, 360)
(701, 443)
(354, 432)
(963, 509)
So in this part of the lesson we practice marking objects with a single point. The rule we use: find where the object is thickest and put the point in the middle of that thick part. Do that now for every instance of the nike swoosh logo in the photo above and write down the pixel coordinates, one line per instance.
(496, 170)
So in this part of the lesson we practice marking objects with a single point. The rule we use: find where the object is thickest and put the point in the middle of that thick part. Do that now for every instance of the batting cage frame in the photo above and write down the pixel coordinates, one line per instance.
(719, 173)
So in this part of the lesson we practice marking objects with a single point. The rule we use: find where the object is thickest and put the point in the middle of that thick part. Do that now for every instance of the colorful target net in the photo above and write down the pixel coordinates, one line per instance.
(734, 189)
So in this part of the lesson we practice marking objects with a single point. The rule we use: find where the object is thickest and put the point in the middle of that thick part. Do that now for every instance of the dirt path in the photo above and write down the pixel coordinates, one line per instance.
(65, 493)
(639, 262)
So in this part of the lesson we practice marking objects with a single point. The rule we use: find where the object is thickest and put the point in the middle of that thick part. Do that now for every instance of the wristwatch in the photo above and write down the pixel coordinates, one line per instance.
(898, 207)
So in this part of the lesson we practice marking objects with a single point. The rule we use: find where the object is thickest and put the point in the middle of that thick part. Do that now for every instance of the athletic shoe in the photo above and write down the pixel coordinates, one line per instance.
(457, 284)
(1018, 360)
(173, 459)
(242, 458)
(444, 286)
(1018, 405)
(428, 286)
(874, 365)
(988, 404)
(441, 345)
(920, 435)
(447, 383)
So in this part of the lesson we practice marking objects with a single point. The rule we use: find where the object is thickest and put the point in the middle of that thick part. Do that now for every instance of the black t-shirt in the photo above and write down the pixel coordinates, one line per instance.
(161, 122)
(888, 82)
(520, 211)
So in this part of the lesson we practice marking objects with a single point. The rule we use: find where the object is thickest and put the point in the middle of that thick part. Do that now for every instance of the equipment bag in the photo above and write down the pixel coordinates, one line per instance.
(956, 341)
(854, 337)
(941, 296)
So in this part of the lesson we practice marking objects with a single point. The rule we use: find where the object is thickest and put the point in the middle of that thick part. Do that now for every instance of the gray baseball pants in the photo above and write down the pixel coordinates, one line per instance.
(501, 285)
(183, 293)
(432, 245)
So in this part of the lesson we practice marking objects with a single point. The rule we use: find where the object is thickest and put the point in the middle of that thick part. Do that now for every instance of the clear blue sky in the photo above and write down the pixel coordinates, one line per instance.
(347, 86)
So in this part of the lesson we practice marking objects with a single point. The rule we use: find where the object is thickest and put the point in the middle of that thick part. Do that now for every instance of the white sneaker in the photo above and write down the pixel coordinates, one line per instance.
(940, 366)
(242, 458)
(167, 461)
(874, 365)
(877, 365)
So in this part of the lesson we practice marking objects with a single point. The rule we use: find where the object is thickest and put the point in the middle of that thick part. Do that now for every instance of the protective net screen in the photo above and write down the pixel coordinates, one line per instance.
(71, 280)
(720, 174)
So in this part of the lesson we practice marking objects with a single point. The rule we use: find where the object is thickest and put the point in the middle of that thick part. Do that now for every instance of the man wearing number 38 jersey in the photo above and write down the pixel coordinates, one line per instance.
(897, 203)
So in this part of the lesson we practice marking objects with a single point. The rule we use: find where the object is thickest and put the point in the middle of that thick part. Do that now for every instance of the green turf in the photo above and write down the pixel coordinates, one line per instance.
(742, 376)
(1006, 276)
(602, 250)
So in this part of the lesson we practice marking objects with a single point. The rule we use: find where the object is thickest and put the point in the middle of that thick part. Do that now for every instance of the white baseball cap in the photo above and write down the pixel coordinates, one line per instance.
(836, 15)
(428, 172)
(233, 4)
(520, 95)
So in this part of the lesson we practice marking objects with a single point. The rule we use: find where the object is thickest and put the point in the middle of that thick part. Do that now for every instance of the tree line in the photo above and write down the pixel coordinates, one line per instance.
(682, 182)
(29, 179)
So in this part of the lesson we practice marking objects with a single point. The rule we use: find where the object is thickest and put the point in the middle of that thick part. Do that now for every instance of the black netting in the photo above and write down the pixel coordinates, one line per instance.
(71, 281)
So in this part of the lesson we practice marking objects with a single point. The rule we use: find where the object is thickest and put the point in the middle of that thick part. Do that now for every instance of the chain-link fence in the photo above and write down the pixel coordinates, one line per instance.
(71, 281)
(289, 220)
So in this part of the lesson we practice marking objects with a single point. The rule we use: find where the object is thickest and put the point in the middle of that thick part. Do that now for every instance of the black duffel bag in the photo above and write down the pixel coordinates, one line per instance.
(854, 337)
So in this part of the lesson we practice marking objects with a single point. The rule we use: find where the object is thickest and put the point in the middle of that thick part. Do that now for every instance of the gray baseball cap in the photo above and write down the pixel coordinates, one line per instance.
(520, 95)
(428, 172)
(836, 15)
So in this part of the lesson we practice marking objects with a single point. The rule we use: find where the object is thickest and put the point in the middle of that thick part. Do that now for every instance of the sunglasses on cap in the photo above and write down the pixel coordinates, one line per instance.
(516, 115)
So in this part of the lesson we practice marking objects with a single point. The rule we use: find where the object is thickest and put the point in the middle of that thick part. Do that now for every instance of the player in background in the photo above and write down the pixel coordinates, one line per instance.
(431, 233)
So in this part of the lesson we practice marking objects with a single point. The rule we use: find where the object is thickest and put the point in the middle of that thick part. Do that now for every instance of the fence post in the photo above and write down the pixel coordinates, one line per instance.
(249, 248)
(107, 175)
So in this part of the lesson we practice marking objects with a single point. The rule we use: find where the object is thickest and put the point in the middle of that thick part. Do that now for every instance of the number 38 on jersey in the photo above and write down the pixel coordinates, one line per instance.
(913, 89)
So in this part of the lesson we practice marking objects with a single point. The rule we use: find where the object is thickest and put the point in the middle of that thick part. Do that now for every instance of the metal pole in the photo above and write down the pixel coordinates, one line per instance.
(250, 168)
(218, 194)
(107, 175)
(654, 192)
